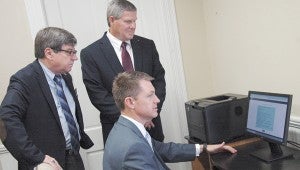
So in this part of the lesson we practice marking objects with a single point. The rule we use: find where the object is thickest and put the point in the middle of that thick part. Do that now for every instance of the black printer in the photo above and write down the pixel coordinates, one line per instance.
(217, 118)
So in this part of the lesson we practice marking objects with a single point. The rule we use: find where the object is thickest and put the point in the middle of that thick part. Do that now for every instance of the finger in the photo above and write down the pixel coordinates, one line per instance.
(56, 166)
(233, 150)
(222, 144)
(53, 163)
(152, 124)
(230, 149)
(59, 167)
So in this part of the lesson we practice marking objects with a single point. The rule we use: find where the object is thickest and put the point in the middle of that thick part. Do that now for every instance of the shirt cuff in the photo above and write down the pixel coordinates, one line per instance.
(198, 149)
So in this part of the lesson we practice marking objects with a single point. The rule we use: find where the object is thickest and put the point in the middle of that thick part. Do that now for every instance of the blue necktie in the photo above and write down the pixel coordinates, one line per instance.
(67, 112)
(126, 60)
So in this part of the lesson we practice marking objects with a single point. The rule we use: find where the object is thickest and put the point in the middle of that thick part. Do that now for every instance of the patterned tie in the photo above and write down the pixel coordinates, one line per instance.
(126, 60)
(148, 138)
(67, 112)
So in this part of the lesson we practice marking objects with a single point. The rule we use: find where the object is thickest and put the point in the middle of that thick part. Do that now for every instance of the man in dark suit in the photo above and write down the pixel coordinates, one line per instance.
(43, 125)
(129, 145)
(103, 60)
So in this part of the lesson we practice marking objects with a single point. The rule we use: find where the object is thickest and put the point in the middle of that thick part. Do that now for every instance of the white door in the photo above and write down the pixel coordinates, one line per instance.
(86, 19)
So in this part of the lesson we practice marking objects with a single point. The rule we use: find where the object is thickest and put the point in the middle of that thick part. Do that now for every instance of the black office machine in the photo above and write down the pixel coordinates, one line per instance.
(217, 118)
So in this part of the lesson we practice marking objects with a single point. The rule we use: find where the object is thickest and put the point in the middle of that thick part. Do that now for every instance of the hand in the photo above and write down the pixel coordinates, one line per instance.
(149, 125)
(220, 147)
(52, 162)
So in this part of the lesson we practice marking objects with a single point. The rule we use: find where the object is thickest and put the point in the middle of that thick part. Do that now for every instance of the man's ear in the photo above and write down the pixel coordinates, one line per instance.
(129, 102)
(48, 53)
(111, 19)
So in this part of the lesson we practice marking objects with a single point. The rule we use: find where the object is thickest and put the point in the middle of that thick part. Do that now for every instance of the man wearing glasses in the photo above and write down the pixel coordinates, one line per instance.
(41, 112)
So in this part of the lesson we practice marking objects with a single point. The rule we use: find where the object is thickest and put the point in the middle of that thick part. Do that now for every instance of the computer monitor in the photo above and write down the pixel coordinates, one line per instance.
(268, 118)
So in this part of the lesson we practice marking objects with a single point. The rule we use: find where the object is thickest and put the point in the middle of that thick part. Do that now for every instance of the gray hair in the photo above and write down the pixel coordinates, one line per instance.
(117, 7)
(54, 38)
(127, 84)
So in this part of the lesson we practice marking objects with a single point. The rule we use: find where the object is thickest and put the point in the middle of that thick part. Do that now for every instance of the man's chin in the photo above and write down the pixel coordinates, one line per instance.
(130, 36)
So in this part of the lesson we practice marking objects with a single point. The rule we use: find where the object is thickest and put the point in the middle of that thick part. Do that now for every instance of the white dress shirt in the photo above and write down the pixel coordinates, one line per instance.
(116, 43)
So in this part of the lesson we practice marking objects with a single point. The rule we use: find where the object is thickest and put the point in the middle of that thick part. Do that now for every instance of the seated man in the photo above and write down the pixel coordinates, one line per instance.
(129, 145)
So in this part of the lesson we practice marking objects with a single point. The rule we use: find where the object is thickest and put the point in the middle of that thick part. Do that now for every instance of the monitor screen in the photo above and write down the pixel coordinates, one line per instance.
(269, 116)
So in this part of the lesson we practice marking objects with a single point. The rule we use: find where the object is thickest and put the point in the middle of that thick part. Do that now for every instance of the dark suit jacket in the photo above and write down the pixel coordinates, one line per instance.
(127, 148)
(31, 118)
(100, 65)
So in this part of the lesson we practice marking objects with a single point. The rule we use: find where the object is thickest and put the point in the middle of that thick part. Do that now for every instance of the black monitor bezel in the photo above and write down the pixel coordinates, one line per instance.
(287, 120)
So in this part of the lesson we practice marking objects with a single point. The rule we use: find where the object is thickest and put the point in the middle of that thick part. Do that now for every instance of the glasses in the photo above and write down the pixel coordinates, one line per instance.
(70, 52)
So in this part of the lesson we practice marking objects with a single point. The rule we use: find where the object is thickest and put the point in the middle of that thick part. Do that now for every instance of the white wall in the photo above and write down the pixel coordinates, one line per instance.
(197, 68)
(15, 43)
(248, 45)
(16, 47)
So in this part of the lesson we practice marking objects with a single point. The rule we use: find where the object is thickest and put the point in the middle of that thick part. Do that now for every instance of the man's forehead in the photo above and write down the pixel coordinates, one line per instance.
(146, 85)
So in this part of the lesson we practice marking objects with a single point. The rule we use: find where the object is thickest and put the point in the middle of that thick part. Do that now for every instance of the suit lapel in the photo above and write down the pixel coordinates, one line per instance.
(137, 53)
(41, 79)
(110, 54)
(131, 126)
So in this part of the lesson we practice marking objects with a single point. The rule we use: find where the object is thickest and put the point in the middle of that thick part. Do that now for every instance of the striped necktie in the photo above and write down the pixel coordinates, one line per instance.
(67, 112)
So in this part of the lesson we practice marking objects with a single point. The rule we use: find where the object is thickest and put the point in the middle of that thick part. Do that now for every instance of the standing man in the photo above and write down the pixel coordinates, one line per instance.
(41, 112)
(117, 51)
(135, 96)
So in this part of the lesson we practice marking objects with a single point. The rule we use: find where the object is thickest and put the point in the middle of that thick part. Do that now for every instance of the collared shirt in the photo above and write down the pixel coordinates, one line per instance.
(143, 131)
(137, 124)
(116, 43)
(50, 76)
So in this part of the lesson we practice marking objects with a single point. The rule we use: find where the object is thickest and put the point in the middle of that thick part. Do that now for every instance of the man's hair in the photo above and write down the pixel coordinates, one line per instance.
(54, 38)
(127, 84)
(117, 7)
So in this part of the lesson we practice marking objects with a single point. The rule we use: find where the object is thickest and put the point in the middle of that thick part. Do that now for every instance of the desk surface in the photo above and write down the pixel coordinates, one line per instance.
(242, 160)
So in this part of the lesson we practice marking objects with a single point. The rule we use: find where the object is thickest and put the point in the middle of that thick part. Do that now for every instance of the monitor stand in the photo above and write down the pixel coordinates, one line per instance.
(274, 152)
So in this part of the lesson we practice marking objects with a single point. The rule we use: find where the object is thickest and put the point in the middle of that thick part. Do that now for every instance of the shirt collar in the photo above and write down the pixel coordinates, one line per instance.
(49, 74)
(115, 41)
(138, 124)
